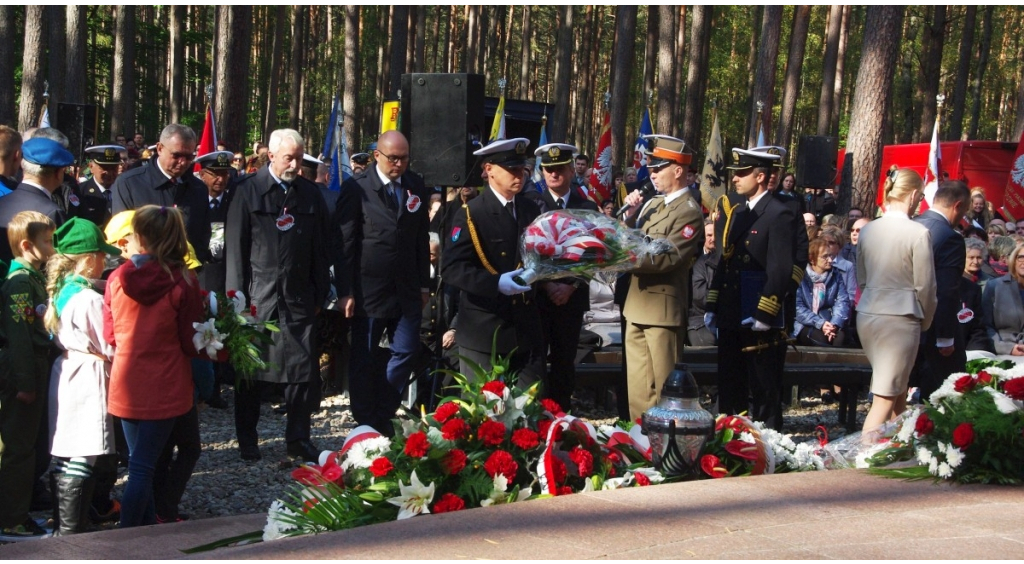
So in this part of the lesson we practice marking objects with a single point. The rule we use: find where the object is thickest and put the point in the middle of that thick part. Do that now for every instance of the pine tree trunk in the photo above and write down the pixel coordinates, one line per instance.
(420, 52)
(583, 88)
(931, 66)
(752, 63)
(399, 38)
(296, 65)
(472, 39)
(563, 75)
(871, 104)
(7, 32)
(979, 76)
(794, 67)
(351, 94)
(650, 52)
(837, 92)
(680, 46)
(955, 124)
(177, 63)
(904, 102)
(121, 120)
(764, 77)
(625, 33)
(524, 69)
(55, 68)
(666, 108)
(74, 61)
(231, 88)
(696, 74)
(828, 74)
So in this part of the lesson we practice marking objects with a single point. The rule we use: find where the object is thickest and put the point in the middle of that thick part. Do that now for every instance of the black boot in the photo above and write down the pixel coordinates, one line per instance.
(69, 505)
(85, 506)
(53, 488)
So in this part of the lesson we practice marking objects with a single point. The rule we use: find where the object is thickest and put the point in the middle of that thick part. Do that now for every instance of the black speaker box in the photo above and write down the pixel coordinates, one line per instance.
(442, 115)
(79, 122)
(816, 161)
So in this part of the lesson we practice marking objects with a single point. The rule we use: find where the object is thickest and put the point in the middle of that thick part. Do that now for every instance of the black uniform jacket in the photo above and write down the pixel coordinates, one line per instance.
(89, 202)
(25, 197)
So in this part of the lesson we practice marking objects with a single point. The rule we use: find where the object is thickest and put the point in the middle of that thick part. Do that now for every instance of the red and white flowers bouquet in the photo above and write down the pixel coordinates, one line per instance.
(971, 430)
(567, 243)
(232, 334)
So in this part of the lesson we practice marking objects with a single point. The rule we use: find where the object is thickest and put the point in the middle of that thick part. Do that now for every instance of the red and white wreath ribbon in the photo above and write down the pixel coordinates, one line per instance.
(562, 237)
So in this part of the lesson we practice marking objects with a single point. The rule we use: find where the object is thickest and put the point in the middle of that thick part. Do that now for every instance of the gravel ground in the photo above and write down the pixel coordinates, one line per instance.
(223, 484)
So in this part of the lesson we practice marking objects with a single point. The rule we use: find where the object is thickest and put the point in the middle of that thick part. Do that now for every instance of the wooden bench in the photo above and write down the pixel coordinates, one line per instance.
(805, 366)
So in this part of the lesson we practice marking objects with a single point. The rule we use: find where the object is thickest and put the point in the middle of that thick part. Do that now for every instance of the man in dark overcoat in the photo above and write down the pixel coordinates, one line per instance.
(277, 238)
(383, 218)
(482, 259)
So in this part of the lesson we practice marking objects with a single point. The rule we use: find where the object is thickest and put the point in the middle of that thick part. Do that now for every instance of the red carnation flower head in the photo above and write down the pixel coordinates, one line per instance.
(551, 406)
(252, 310)
(232, 293)
(984, 377)
(453, 461)
(964, 384)
(924, 424)
(455, 429)
(381, 467)
(1014, 388)
(492, 433)
(417, 445)
(445, 411)
(963, 435)
(501, 462)
(642, 479)
(583, 460)
(742, 449)
(496, 387)
(449, 502)
(204, 293)
(711, 465)
(543, 425)
(558, 470)
(525, 439)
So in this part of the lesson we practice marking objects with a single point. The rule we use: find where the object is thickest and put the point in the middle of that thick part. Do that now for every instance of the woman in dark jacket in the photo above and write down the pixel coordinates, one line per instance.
(822, 301)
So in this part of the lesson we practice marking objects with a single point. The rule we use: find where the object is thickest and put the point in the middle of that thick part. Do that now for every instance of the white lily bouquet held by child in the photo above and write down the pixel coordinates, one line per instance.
(232, 334)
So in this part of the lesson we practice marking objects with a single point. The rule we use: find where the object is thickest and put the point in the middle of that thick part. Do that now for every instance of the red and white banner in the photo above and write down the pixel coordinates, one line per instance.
(1013, 196)
(933, 171)
(601, 177)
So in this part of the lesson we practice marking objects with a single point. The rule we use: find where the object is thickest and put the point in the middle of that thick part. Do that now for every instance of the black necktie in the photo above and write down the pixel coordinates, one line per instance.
(215, 204)
(511, 209)
(109, 196)
(561, 203)
(392, 197)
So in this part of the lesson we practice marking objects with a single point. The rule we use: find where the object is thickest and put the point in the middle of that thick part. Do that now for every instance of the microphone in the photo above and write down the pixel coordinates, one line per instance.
(646, 190)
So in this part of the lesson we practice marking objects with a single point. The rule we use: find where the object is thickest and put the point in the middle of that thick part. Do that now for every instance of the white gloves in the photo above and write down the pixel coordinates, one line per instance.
(508, 286)
(711, 322)
(756, 325)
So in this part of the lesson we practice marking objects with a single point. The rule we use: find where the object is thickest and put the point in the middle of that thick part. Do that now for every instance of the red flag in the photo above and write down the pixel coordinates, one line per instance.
(208, 142)
(601, 177)
(1013, 196)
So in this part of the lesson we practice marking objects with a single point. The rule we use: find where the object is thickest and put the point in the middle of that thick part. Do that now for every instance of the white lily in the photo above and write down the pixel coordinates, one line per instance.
(207, 337)
(514, 410)
(498, 493)
(415, 498)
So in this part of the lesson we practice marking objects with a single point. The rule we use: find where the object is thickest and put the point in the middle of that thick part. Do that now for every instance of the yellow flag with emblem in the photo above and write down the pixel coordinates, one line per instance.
(498, 128)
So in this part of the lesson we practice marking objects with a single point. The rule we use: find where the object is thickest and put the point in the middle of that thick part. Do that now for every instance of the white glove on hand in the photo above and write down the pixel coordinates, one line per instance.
(711, 322)
(755, 324)
(508, 286)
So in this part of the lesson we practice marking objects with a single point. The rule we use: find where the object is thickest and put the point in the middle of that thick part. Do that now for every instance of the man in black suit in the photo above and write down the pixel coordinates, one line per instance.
(562, 302)
(168, 181)
(482, 259)
(385, 272)
(942, 349)
(92, 199)
(754, 276)
(277, 238)
(43, 163)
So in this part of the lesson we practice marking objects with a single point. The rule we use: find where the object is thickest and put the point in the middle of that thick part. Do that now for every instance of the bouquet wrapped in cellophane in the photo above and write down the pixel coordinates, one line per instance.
(583, 243)
(232, 334)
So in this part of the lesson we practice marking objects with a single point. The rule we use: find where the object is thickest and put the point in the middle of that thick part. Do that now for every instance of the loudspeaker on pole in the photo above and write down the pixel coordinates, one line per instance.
(816, 161)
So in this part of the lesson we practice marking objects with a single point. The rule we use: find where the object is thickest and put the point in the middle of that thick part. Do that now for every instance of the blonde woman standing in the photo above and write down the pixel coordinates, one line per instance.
(896, 275)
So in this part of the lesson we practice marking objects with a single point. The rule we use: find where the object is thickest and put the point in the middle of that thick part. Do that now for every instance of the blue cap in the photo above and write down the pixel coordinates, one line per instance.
(46, 152)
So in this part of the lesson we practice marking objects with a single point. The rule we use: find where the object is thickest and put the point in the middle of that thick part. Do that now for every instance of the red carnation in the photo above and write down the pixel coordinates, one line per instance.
(642, 479)
(709, 463)
(924, 425)
(742, 449)
(563, 490)
(1014, 388)
(584, 461)
(501, 462)
(204, 293)
(417, 445)
(496, 387)
(380, 467)
(449, 502)
(963, 435)
(455, 429)
(964, 384)
(984, 377)
(551, 406)
(525, 439)
(232, 293)
(558, 471)
(445, 412)
(453, 462)
(252, 310)
(492, 433)
(544, 424)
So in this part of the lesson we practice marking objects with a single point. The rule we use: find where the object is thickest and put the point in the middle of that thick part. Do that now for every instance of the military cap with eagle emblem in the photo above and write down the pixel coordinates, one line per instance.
(665, 150)
(743, 159)
(773, 150)
(555, 154)
(217, 160)
(504, 152)
(105, 154)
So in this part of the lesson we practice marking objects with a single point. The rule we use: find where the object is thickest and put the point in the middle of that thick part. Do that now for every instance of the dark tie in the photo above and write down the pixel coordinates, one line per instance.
(109, 196)
(561, 203)
(392, 197)
(215, 204)
(511, 209)
(284, 186)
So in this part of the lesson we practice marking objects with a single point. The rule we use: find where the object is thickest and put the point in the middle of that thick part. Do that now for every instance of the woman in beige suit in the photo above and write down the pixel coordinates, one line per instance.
(896, 275)
(1003, 307)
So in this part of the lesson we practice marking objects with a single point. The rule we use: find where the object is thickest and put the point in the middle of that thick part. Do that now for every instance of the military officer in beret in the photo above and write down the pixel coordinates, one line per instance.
(658, 298)
(562, 302)
(482, 259)
(92, 200)
(43, 163)
(745, 302)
